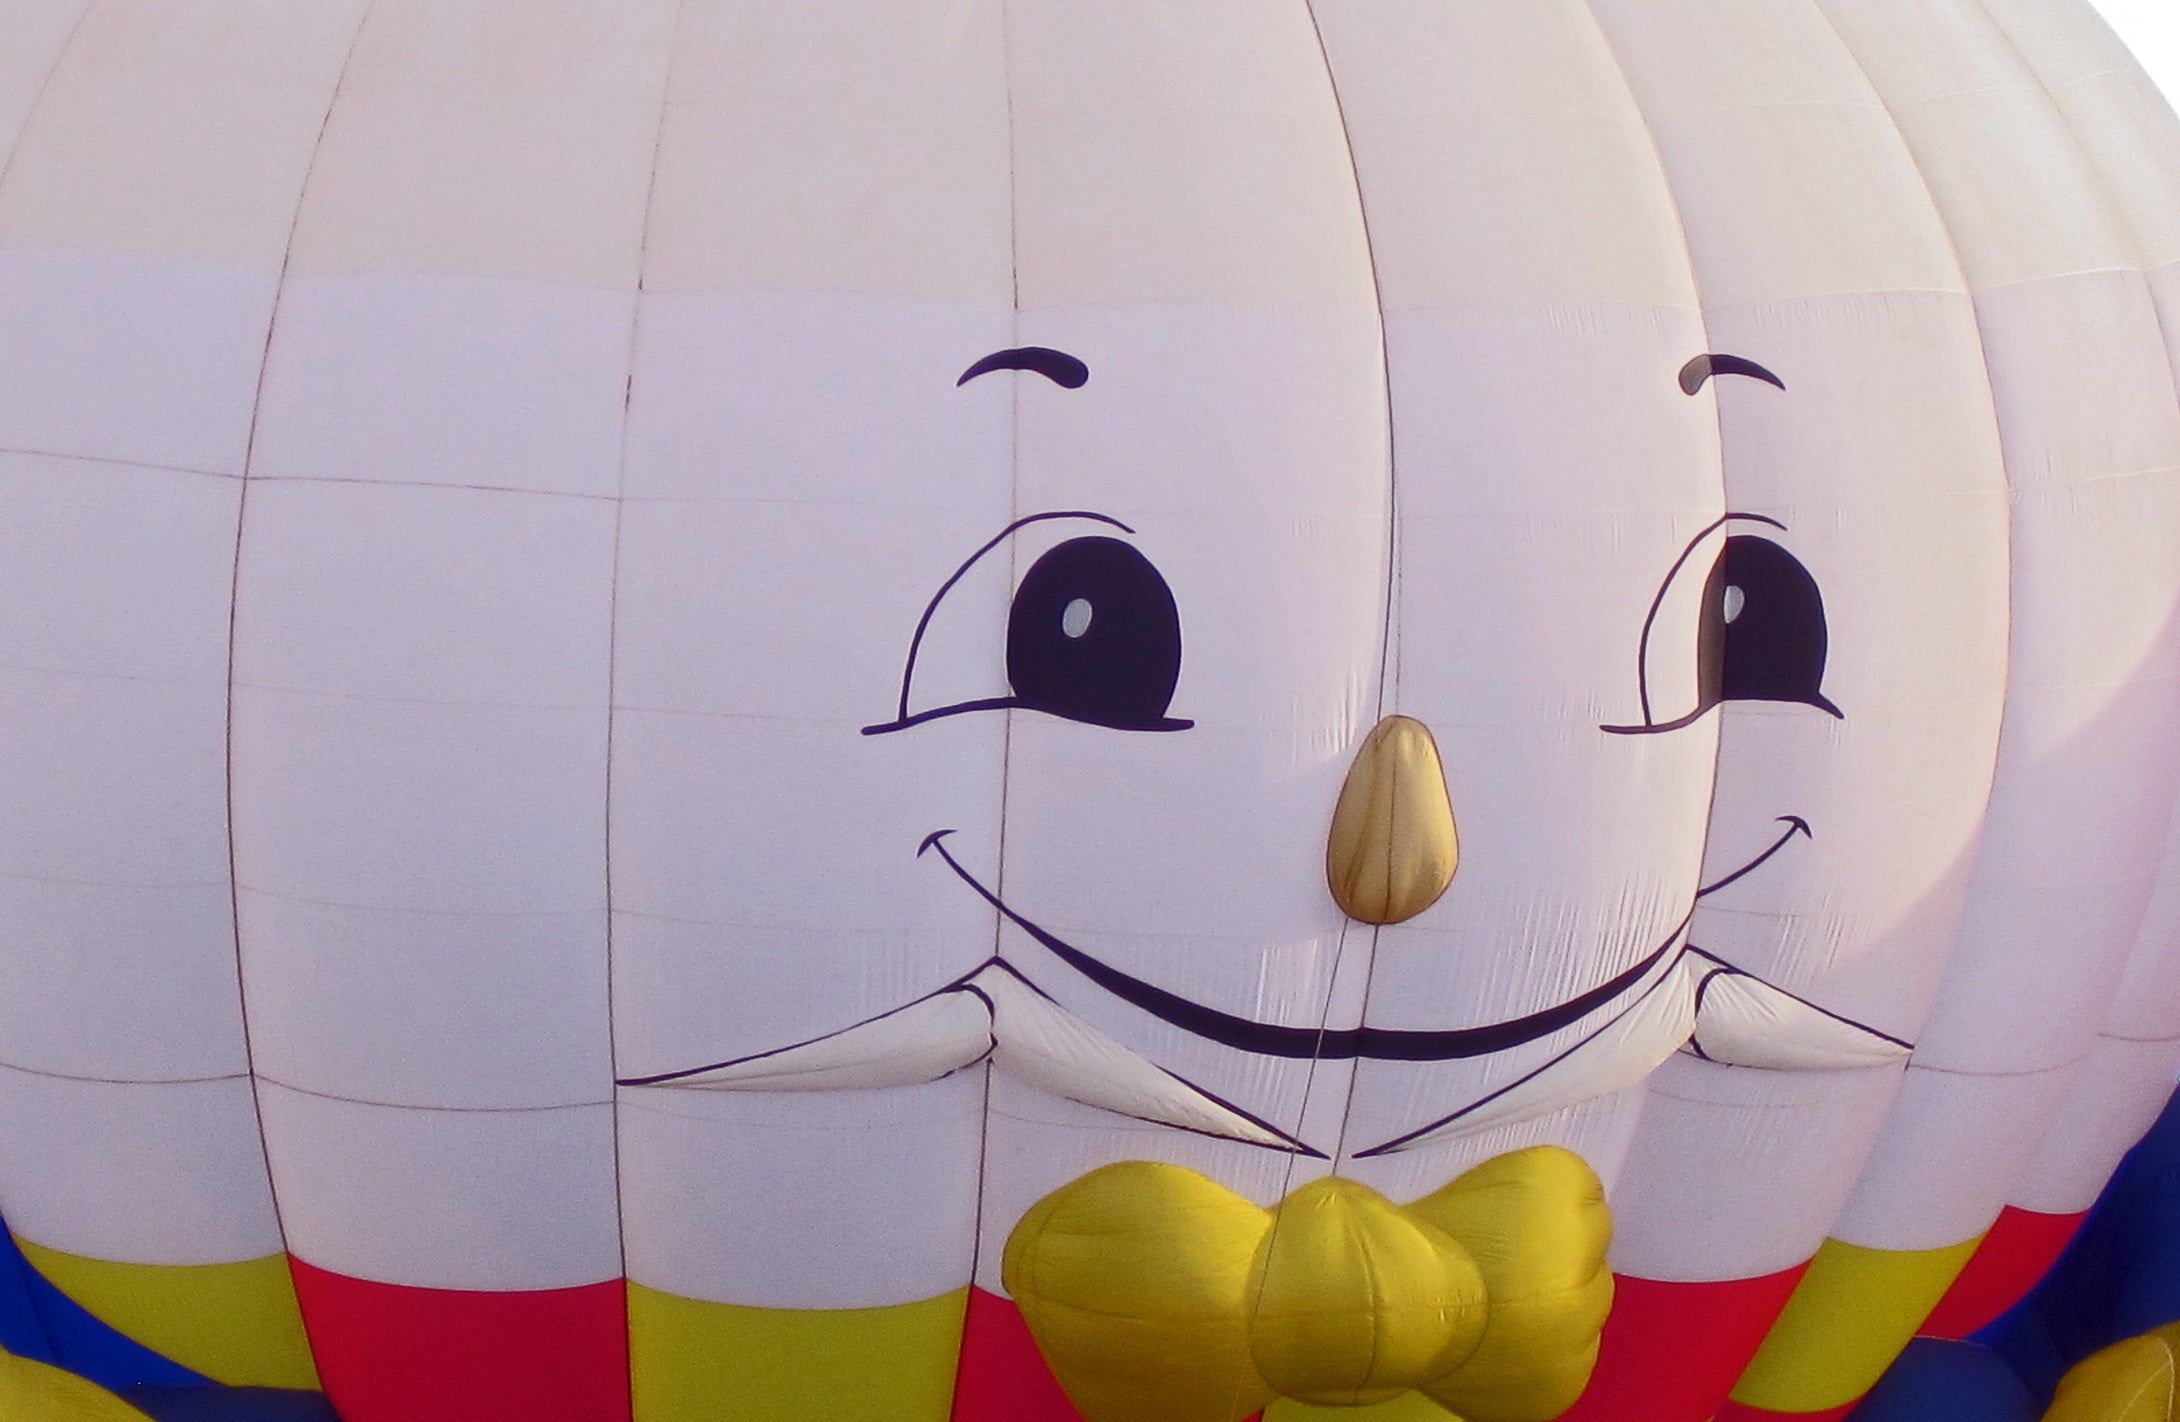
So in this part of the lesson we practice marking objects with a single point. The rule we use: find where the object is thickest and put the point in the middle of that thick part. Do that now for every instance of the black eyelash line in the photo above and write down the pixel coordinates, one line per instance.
(1650, 621)
(902, 720)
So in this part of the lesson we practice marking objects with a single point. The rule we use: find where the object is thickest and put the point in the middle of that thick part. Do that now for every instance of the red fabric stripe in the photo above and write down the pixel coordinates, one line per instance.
(1671, 1352)
(1736, 1412)
(1003, 1377)
(392, 1354)
(2013, 1258)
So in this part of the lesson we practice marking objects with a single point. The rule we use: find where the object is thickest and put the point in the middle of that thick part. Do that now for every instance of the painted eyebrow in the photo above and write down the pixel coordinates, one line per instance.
(1059, 367)
(1710, 363)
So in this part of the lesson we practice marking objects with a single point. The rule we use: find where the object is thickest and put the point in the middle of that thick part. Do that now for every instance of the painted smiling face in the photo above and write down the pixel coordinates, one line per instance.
(1093, 636)
(1085, 1023)
(1318, 583)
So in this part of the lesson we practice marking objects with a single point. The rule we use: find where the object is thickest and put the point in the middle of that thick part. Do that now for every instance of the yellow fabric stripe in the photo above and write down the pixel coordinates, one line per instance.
(235, 1323)
(707, 1362)
(38, 1392)
(1849, 1318)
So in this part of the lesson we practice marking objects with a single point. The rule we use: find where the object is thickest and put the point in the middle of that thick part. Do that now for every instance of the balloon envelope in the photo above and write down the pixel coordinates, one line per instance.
(666, 663)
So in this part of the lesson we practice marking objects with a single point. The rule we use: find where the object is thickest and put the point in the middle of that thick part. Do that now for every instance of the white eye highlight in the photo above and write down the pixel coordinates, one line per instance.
(1735, 601)
(1075, 617)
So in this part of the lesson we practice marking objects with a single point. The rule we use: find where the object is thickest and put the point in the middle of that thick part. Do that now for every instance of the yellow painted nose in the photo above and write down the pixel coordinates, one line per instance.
(1392, 849)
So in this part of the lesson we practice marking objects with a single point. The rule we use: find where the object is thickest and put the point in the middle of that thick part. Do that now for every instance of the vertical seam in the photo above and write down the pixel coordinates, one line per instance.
(1998, 429)
(1388, 663)
(234, 603)
(2157, 308)
(1386, 695)
(45, 85)
(2124, 221)
(613, 641)
(2113, 207)
(1718, 413)
(2117, 210)
(1998, 440)
(1006, 717)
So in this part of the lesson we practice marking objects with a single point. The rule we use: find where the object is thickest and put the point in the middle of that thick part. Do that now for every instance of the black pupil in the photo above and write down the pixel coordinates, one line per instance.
(1774, 647)
(1114, 660)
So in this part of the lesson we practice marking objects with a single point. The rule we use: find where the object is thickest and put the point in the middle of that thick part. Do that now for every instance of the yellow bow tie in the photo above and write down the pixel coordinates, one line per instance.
(1160, 1296)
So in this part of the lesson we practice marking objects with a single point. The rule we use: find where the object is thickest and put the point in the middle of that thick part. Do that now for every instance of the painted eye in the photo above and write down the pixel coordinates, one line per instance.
(1763, 634)
(1759, 633)
(1094, 636)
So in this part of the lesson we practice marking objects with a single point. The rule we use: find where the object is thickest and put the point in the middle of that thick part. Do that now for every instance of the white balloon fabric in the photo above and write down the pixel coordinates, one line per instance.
(663, 659)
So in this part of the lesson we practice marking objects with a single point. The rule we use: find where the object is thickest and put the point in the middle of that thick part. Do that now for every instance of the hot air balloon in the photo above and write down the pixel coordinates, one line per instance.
(1001, 710)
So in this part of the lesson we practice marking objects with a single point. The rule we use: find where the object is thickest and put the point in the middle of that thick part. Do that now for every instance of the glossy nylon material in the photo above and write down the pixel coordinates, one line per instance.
(40, 1392)
(234, 1323)
(1157, 1294)
(2132, 1381)
(1393, 846)
(461, 531)
(2121, 123)
(2013, 1020)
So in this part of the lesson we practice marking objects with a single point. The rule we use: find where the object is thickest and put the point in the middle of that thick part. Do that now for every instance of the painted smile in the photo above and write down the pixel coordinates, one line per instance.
(1375, 1043)
(1677, 997)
